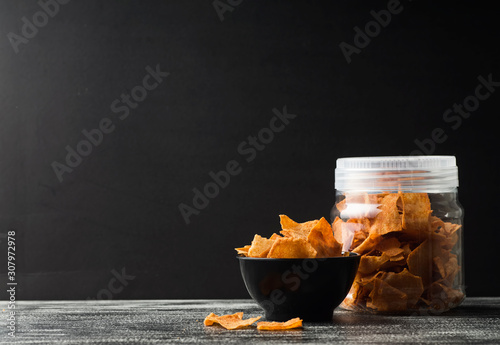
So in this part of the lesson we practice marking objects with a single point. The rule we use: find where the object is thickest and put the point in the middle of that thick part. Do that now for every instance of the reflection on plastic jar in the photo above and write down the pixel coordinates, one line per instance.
(403, 216)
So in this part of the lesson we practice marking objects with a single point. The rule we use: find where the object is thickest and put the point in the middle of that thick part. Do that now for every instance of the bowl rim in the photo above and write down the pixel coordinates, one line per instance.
(352, 256)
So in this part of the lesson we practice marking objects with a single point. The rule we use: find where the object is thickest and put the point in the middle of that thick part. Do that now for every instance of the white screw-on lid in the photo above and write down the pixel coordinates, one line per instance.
(429, 174)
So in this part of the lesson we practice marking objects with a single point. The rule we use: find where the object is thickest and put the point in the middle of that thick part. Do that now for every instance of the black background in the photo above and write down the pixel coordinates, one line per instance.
(118, 209)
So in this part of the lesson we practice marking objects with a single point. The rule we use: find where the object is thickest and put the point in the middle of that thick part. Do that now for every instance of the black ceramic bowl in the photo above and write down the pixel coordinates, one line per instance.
(307, 288)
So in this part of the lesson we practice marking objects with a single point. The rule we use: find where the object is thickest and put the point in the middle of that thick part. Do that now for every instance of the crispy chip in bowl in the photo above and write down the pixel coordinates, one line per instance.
(311, 239)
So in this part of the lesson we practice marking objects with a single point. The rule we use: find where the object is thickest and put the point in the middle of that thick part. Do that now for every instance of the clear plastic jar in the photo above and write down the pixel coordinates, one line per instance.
(403, 216)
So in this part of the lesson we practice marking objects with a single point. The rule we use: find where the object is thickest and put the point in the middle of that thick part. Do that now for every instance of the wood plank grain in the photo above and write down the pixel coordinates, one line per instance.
(477, 320)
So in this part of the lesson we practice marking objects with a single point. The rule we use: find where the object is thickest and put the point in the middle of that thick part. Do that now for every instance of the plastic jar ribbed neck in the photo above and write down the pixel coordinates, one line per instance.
(419, 174)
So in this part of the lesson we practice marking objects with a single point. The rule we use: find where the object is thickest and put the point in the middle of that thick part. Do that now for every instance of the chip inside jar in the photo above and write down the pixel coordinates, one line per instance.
(407, 261)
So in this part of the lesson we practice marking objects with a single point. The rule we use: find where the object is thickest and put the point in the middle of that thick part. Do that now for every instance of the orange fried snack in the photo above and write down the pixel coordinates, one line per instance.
(389, 219)
(291, 248)
(279, 326)
(243, 250)
(233, 321)
(407, 283)
(260, 247)
(384, 297)
(322, 240)
(311, 239)
(420, 262)
(406, 253)
(291, 228)
(416, 211)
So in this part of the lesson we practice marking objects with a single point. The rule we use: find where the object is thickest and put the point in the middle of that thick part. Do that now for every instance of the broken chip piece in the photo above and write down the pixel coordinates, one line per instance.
(232, 321)
(279, 326)
(235, 321)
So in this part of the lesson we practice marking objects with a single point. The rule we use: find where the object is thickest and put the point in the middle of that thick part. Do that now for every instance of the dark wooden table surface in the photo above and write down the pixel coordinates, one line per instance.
(476, 321)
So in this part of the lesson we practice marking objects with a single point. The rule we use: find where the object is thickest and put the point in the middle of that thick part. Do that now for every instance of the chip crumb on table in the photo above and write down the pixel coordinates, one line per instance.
(232, 321)
(236, 321)
(277, 326)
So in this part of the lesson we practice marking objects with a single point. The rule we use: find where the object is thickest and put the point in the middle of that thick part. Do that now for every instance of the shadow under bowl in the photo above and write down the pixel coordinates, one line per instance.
(307, 288)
